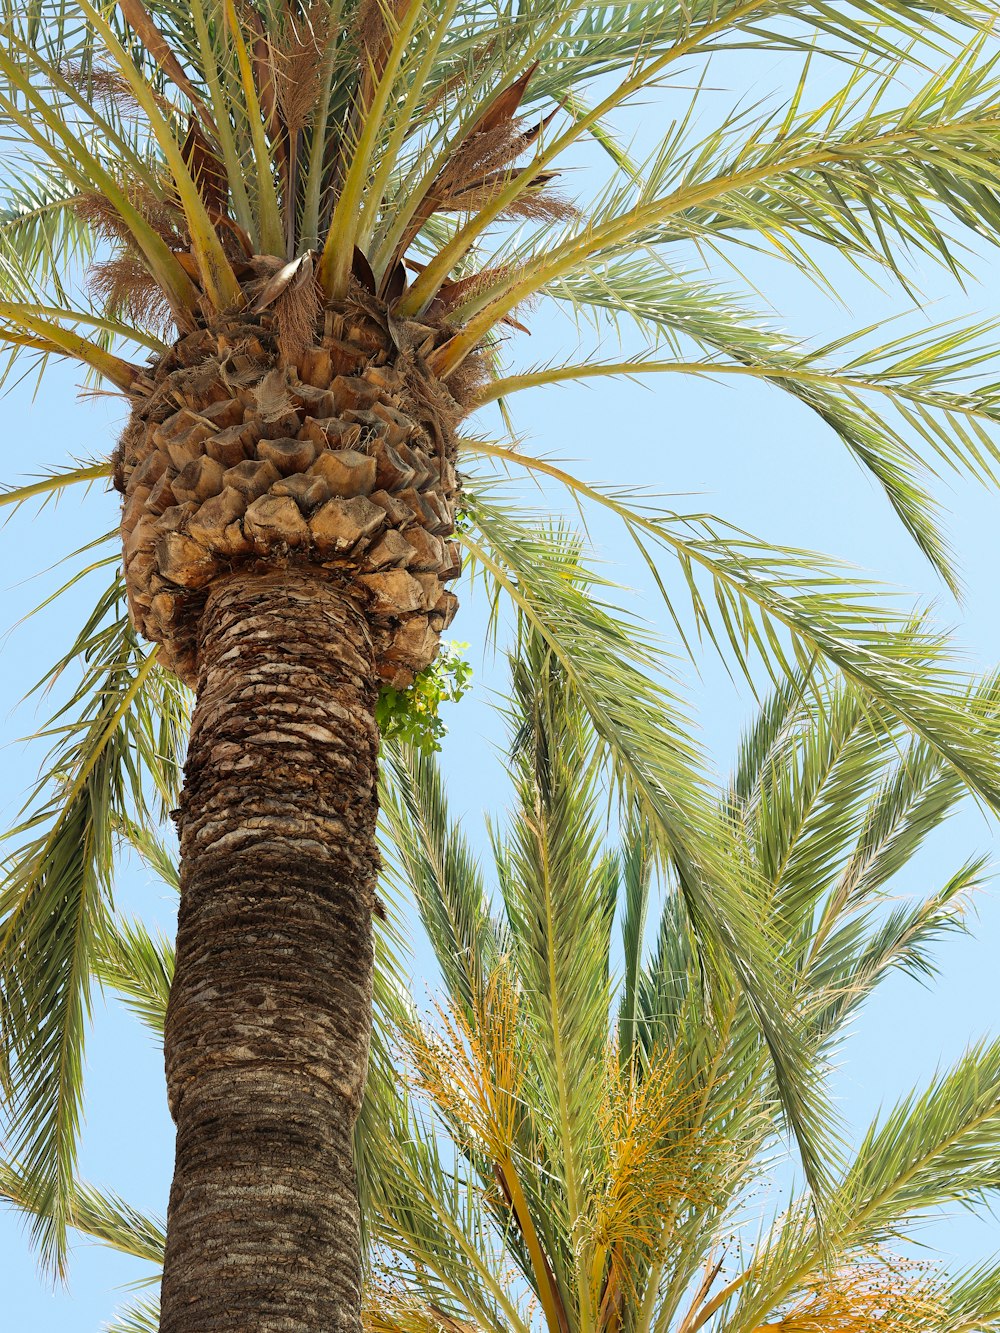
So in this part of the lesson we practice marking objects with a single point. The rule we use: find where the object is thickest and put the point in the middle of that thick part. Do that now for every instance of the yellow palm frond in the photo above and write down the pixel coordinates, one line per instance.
(879, 1295)
(472, 1068)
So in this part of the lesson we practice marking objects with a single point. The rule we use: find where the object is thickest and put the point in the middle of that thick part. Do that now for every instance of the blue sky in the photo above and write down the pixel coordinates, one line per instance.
(741, 451)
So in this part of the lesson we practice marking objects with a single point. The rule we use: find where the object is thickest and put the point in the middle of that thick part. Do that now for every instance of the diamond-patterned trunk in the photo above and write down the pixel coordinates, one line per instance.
(286, 532)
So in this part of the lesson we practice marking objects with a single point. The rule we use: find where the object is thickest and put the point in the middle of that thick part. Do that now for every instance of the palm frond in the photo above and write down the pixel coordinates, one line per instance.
(439, 870)
(762, 593)
(115, 753)
(102, 1217)
(902, 408)
(934, 1148)
(50, 484)
(142, 1316)
(856, 957)
(138, 965)
(614, 672)
(636, 869)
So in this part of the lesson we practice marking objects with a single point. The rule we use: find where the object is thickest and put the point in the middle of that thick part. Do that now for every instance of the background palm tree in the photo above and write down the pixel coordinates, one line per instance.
(316, 224)
(616, 1175)
(527, 1163)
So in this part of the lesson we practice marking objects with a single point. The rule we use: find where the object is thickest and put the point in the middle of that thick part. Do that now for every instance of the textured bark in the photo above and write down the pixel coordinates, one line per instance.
(268, 1023)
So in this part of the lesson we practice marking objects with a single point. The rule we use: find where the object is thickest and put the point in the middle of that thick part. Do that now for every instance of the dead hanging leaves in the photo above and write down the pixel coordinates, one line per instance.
(139, 20)
(206, 170)
(484, 163)
(123, 284)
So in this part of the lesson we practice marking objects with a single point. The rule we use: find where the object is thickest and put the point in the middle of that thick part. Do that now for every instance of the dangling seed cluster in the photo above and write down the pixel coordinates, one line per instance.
(344, 460)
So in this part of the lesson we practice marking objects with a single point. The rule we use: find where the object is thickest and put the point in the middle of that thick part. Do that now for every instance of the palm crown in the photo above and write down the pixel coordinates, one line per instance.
(286, 193)
(527, 1163)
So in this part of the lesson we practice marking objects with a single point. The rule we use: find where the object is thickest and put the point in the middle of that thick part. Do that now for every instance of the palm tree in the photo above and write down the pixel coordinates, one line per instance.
(316, 223)
(581, 1133)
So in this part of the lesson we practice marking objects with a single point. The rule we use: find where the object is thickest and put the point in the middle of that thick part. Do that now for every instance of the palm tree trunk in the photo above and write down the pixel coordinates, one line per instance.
(268, 1023)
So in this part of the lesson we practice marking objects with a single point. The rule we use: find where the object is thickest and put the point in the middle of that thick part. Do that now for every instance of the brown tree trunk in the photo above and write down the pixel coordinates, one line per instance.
(268, 1024)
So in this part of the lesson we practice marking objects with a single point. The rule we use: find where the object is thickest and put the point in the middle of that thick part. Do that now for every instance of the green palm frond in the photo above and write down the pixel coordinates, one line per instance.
(647, 747)
(858, 955)
(102, 1217)
(115, 755)
(41, 230)
(788, 607)
(438, 866)
(935, 1148)
(974, 1300)
(139, 966)
(142, 1316)
(50, 484)
(903, 408)
(636, 873)
(152, 850)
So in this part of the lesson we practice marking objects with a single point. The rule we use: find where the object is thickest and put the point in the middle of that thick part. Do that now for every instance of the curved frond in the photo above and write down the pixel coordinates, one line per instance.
(115, 753)
(638, 722)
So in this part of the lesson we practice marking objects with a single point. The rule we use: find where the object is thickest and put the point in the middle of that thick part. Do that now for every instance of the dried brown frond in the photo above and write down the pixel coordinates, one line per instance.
(263, 71)
(473, 1067)
(874, 1295)
(536, 204)
(298, 310)
(125, 289)
(465, 383)
(207, 170)
(457, 292)
(165, 218)
(480, 156)
(122, 283)
(271, 395)
(106, 87)
(109, 88)
(373, 27)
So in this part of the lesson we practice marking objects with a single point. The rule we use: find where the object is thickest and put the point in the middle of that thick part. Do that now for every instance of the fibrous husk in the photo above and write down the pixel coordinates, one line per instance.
(343, 460)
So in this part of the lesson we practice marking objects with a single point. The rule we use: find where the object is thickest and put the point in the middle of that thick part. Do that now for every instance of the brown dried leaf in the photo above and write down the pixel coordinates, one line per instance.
(361, 269)
(263, 75)
(394, 285)
(271, 395)
(125, 288)
(206, 170)
(274, 287)
(504, 107)
(137, 17)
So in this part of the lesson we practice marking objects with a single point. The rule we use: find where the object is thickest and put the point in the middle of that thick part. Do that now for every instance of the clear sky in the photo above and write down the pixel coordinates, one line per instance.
(741, 451)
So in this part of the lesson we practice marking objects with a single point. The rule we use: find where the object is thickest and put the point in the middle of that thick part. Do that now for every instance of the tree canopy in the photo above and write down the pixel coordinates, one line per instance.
(175, 161)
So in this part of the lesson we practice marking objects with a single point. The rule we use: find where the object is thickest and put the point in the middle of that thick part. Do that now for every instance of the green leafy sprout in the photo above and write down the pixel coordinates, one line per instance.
(412, 716)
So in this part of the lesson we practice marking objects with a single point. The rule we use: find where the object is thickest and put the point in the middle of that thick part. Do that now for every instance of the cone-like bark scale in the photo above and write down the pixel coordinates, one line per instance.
(343, 459)
(268, 1023)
